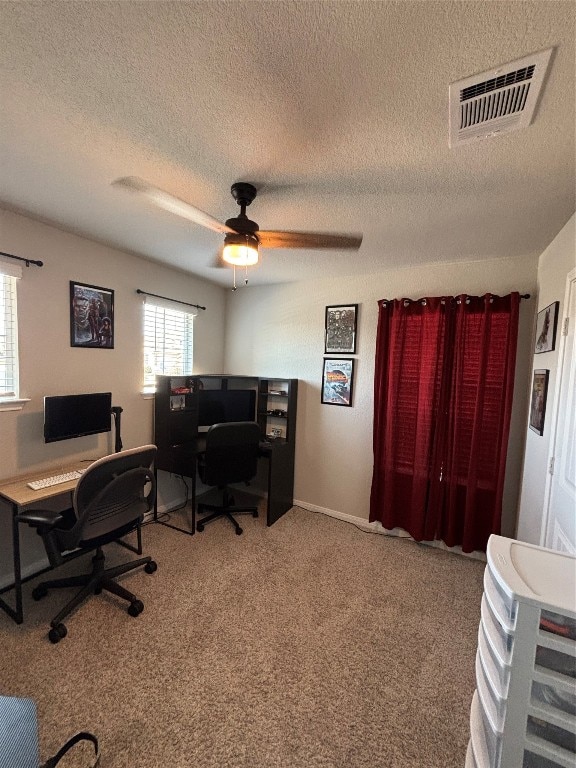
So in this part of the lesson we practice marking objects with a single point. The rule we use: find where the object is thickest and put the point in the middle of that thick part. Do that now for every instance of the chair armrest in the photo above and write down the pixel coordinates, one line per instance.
(40, 518)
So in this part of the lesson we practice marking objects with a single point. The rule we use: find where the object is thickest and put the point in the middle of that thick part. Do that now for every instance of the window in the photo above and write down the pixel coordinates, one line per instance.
(8, 332)
(168, 341)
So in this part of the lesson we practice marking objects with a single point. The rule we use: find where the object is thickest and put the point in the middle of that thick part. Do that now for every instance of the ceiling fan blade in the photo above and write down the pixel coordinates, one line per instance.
(217, 261)
(170, 203)
(318, 240)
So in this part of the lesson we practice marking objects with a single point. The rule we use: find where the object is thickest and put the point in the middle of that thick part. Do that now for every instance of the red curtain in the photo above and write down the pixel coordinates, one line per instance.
(442, 403)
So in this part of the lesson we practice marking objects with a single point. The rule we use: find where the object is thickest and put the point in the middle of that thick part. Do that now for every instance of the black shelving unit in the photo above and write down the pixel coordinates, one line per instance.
(277, 401)
(175, 432)
(277, 408)
(178, 441)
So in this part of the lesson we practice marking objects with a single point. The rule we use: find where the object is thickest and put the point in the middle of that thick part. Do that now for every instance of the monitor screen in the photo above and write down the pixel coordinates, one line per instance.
(67, 416)
(219, 405)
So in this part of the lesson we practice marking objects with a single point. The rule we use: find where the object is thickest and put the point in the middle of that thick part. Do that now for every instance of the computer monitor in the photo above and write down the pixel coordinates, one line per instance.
(216, 406)
(68, 416)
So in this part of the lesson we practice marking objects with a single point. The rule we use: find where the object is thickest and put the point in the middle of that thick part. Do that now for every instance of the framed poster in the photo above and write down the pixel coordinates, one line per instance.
(546, 323)
(337, 381)
(91, 316)
(340, 329)
(538, 400)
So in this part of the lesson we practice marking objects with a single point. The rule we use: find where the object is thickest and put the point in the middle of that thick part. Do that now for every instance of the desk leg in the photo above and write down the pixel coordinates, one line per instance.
(192, 530)
(193, 503)
(19, 618)
(18, 614)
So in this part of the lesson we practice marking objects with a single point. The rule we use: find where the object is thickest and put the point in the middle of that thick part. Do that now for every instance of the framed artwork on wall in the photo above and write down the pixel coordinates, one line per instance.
(546, 323)
(538, 400)
(91, 316)
(337, 381)
(340, 329)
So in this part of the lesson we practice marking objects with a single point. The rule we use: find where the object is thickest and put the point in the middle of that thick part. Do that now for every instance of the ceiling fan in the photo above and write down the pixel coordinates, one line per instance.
(242, 237)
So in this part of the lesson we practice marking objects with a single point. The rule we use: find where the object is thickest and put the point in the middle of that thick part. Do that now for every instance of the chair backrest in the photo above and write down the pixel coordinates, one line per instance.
(112, 497)
(231, 454)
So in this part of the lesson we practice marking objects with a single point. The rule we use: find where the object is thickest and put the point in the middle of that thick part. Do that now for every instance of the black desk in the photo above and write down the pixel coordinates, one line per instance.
(279, 458)
(178, 439)
(16, 493)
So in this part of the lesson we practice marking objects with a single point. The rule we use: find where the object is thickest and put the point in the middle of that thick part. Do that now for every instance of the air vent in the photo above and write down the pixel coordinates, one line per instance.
(497, 101)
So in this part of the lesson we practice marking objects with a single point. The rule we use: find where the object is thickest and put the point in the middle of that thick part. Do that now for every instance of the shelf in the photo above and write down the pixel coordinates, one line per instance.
(499, 639)
(493, 709)
(470, 760)
(485, 755)
(539, 746)
(497, 674)
(524, 708)
(555, 679)
(550, 714)
(556, 642)
(504, 607)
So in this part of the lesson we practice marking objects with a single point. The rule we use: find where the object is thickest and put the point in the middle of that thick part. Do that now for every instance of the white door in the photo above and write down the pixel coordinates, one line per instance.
(561, 523)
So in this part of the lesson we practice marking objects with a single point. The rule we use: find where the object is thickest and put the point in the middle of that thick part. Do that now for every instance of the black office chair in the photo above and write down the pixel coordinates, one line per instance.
(231, 456)
(110, 501)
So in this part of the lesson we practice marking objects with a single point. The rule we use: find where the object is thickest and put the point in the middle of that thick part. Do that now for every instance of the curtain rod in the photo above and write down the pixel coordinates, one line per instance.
(176, 301)
(20, 258)
(413, 301)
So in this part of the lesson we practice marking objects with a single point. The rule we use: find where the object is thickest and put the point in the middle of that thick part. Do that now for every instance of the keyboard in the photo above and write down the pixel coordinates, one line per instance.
(46, 482)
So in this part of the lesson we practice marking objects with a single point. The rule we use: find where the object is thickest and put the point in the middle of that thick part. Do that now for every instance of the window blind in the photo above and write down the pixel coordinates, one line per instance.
(168, 341)
(8, 337)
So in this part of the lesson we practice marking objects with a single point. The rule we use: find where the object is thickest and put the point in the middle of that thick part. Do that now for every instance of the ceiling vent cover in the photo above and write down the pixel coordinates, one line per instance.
(497, 101)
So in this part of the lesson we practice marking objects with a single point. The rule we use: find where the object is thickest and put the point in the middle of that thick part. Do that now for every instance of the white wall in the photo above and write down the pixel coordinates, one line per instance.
(50, 366)
(553, 267)
(266, 331)
(279, 331)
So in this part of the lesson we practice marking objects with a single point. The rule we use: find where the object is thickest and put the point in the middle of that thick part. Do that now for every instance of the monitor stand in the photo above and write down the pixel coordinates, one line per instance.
(116, 411)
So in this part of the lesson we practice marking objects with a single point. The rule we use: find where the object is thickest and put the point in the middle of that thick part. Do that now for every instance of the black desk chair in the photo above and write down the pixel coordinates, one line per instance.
(231, 456)
(110, 501)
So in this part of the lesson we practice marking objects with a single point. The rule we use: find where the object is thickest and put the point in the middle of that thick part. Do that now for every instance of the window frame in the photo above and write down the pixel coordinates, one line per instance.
(159, 318)
(10, 399)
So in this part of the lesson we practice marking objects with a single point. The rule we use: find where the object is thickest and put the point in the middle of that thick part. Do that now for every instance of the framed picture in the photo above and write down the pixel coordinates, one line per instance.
(546, 323)
(91, 316)
(340, 329)
(337, 381)
(538, 400)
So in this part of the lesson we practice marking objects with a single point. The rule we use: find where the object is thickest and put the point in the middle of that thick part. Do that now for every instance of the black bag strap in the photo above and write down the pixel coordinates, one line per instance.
(82, 736)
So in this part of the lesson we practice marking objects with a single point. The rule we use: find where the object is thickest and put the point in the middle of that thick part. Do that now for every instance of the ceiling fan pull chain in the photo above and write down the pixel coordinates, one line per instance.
(234, 268)
(246, 276)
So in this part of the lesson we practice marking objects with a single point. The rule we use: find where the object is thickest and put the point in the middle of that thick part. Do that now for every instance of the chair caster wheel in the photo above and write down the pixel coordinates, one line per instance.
(39, 592)
(238, 531)
(136, 608)
(151, 567)
(199, 527)
(57, 633)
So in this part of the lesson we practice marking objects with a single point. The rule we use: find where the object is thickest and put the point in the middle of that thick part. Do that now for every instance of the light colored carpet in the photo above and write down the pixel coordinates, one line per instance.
(310, 644)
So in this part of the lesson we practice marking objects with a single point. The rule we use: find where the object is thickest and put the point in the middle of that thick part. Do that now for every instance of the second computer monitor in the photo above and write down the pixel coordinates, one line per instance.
(216, 406)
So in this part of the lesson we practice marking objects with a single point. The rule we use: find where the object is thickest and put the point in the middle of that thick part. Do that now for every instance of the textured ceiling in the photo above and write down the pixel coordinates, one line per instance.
(337, 111)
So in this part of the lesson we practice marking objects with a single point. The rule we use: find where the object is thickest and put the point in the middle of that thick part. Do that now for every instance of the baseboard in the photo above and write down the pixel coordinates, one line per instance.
(359, 522)
(377, 527)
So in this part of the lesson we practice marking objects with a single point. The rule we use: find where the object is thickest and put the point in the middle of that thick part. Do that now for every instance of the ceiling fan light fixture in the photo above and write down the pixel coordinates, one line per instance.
(240, 250)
